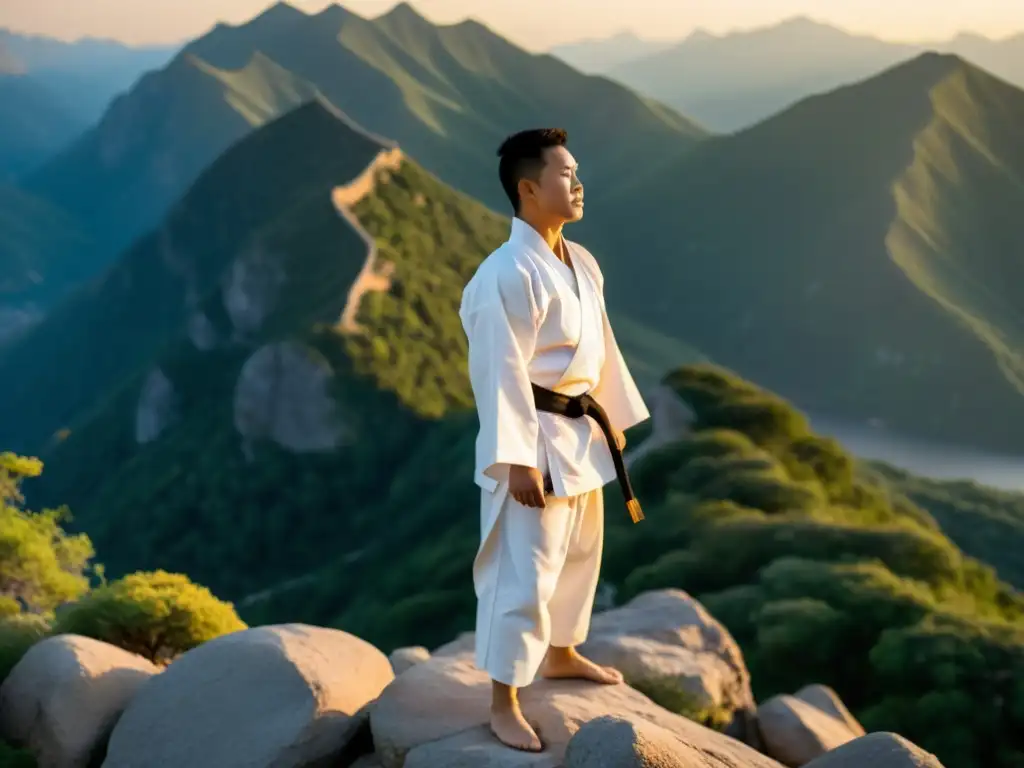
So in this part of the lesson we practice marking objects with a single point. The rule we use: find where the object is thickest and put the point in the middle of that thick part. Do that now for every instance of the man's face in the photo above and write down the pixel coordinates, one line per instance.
(558, 193)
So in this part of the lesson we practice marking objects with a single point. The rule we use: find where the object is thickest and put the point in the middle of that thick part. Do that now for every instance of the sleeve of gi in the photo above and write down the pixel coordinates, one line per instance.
(501, 319)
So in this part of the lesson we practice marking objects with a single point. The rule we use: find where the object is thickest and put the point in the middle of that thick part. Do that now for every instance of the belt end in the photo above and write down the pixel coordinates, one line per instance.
(635, 512)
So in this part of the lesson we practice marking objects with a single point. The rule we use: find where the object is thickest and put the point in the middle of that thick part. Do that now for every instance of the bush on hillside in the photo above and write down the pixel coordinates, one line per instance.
(157, 615)
(40, 565)
(825, 574)
(18, 633)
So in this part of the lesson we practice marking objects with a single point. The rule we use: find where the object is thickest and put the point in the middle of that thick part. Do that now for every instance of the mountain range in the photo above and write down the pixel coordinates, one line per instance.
(868, 233)
(731, 81)
(447, 94)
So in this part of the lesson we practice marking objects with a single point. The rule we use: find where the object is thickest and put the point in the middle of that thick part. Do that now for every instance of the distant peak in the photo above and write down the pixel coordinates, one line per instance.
(281, 10)
(404, 11)
(333, 12)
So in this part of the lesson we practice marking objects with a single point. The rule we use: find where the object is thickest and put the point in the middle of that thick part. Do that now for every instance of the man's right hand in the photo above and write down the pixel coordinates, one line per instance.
(526, 484)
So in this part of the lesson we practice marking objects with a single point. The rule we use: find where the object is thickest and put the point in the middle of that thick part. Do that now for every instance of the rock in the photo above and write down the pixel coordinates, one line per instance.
(64, 696)
(795, 732)
(403, 658)
(666, 636)
(828, 701)
(251, 287)
(281, 696)
(877, 750)
(411, 730)
(610, 742)
(157, 408)
(283, 394)
(367, 761)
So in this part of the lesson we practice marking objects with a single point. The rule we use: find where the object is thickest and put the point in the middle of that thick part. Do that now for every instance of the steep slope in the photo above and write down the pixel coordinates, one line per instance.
(34, 124)
(116, 323)
(274, 370)
(857, 253)
(728, 82)
(153, 142)
(447, 94)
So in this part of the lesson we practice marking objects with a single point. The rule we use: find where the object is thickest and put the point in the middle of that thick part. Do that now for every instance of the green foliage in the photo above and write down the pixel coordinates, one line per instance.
(851, 585)
(157, 615)
(11, 757)
(18, 633)
(669, 694)
(40, 565)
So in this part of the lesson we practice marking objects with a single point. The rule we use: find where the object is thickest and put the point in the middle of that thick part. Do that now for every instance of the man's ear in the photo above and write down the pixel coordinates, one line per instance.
(527, 189)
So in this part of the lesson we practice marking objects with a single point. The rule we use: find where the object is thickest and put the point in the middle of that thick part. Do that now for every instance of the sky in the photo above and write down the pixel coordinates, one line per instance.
(533, 24)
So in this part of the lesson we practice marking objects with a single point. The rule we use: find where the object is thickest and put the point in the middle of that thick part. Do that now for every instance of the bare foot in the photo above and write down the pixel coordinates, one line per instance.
(568, 663)
(512, 730)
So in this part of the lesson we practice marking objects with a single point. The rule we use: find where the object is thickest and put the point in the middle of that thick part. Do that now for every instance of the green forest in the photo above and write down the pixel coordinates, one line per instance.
(825, 570)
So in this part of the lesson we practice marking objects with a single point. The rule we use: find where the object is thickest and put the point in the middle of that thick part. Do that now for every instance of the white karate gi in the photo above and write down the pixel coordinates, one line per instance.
(528, 318)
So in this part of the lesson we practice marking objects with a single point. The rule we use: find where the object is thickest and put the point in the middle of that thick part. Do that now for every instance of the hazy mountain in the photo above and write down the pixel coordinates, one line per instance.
(599, 55)
(152, 143)
(41, 252)
(34, 124)
(731, 81)
(870, 234)
(448, 94)
(83, 75)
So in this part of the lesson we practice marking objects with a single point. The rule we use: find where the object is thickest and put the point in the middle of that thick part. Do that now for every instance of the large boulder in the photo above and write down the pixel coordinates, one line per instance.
(436, 713)
(403, 658)
(664, 637)
(64, 696)
(611, 742)
(797, 729)
(877, 750)
(282, 696)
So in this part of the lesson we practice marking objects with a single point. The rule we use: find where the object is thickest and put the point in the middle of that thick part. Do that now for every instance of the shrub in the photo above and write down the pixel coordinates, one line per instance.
(157, 615)
(18, 633)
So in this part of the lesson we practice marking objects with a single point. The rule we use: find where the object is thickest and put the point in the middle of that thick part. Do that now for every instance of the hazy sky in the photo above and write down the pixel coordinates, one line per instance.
(533, 24)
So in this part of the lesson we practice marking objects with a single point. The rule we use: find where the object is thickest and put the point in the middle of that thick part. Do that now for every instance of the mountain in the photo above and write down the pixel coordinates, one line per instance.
(449, 95)
(732, 81)
(42, 252)
(151, 144)
(83, 75)
(857, 253)
(728, 82)
(34, 124)
(599, 55)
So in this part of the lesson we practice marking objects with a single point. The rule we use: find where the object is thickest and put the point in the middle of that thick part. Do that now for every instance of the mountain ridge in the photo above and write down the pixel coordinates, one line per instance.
(811, 268)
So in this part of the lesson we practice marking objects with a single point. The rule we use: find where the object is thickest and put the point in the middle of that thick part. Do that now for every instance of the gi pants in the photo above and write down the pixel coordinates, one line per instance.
(536, 576)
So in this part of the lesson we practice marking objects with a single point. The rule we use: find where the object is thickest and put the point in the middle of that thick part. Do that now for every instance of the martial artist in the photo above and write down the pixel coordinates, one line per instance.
(534, 314)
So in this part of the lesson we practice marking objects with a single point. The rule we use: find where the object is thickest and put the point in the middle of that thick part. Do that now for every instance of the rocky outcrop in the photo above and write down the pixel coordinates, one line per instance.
(200, 331)
(403, 658)
(412, 730)
(157, 408)
(64, 696)
(374, 276)
(666, 636)
(877, 750)
(283, 394)
(797, 729)
(251, 287)
(276, 696)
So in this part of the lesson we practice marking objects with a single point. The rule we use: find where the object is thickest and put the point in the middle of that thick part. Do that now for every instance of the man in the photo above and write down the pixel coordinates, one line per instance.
(534, 314)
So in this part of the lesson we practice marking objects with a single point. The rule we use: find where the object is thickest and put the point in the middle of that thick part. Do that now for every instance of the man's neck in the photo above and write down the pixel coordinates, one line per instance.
(550, 233)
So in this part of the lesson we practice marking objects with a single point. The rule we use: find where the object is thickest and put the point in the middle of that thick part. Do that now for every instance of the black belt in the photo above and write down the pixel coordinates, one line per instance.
(575, 406)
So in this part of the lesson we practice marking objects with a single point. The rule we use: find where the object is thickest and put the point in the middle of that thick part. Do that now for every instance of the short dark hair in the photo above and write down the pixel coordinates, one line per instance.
(522, 157)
